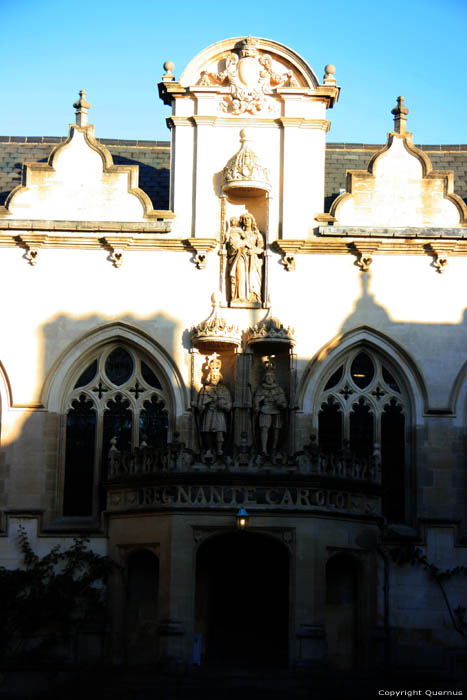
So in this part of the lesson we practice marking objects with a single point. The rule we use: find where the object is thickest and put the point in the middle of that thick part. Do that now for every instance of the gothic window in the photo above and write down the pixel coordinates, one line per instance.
(364, 408)
(116, 395)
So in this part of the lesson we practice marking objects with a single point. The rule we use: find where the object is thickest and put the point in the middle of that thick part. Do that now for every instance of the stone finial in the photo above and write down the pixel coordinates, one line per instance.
(168, 75)
(82, 107)
(329, 72)
(400, 116)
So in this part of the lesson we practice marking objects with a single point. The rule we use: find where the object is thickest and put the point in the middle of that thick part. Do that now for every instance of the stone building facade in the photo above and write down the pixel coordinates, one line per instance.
(243, 324)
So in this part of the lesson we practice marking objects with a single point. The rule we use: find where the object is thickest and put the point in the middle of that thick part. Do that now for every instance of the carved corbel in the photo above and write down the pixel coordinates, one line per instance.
(32, 244)
(289, 263)
(364, 252)
(287, 249)
(199, 258)
(117, 247)
(200, 248)
(440, 253)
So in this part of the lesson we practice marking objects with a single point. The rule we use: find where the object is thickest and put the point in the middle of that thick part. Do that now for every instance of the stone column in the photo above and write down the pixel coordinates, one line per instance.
(176, 596)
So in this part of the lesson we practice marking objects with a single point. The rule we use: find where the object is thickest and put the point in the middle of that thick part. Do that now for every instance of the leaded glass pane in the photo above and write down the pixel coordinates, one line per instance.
(335, 378)
(79, 458)
(149, 376)
(362, 370)
(330, 426)
(361, 429)
(87, 376)
(118, 422)
(390, 381)
(153, 423)
(119, 366)
(392, 458)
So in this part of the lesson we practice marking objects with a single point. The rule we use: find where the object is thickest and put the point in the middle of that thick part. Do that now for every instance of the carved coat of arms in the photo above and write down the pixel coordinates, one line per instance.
(250, 76)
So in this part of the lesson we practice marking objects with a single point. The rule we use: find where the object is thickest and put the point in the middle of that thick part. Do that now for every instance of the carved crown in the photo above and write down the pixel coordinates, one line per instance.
(215, 332)
(271, 332)
(244, 171)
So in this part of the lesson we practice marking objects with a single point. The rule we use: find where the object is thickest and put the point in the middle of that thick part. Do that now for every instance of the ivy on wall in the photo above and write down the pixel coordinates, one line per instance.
(49, 599)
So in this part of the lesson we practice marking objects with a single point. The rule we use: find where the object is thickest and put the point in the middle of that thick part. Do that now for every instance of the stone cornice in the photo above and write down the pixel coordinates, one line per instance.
(457, 233)
(160, 225)
(364, 245)
(104, 238)
(276, 122)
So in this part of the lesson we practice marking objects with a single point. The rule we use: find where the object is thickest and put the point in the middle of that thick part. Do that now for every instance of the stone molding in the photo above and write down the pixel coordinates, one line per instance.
(278, 122)
(332, 241)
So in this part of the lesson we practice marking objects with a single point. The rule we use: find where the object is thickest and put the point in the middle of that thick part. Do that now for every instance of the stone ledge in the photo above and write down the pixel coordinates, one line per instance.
(410, 232)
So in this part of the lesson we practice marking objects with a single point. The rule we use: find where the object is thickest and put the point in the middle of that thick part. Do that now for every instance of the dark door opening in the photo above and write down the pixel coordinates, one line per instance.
(242, 600)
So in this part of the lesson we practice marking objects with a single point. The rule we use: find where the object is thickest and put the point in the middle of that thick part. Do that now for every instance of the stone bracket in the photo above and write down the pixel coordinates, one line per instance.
(200, 248)
(440, 253)
(31, 243)
(117, 247)
(287, 249)
(364, 251)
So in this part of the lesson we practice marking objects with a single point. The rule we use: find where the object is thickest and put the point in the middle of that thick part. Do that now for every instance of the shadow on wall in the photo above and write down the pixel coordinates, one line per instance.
(33, 454)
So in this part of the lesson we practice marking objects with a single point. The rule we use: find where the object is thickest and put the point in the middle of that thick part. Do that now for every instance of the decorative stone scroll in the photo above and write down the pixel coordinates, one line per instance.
(251, 78)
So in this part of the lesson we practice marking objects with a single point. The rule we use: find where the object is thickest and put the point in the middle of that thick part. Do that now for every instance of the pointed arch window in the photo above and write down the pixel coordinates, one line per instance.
(117, 394)
(364, 407)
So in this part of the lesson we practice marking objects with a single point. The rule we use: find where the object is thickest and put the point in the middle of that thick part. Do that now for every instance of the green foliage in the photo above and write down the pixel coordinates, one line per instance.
(50, 598)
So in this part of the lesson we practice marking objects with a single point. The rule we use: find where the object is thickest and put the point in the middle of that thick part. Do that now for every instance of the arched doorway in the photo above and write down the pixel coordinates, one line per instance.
(141, 607)
(342, 613)
(242, 600)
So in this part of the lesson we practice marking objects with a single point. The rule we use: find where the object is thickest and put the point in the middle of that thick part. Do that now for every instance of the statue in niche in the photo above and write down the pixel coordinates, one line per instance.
(214, 404)
(245, 252)
(269, 404)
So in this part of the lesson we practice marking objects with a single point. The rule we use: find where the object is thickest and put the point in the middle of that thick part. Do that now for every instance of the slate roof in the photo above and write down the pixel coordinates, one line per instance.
(153, 158)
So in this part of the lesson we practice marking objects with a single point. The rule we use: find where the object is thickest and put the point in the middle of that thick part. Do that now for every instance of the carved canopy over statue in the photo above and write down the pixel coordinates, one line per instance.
(245, 255)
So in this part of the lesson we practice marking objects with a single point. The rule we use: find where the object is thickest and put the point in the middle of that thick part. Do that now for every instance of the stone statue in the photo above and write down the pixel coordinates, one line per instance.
(214, 403)
(245, 249)
(269, 403)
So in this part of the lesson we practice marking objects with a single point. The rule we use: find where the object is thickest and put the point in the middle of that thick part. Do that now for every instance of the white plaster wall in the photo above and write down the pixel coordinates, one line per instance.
(77, 188)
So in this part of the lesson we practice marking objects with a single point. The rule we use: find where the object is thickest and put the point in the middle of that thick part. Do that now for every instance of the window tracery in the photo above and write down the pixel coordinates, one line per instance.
(364, 409)
(117, 395)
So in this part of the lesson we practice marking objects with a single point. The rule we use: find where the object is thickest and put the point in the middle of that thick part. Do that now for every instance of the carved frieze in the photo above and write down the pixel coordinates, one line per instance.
(228, 496)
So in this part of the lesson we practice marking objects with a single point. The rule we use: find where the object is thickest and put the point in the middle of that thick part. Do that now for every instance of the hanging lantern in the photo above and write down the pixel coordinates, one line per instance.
(242, 519)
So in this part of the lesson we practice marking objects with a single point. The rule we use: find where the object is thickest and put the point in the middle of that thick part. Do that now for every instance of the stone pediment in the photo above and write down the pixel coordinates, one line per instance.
(79, 183)
(247, 73)
(399, 188)
(250, 61)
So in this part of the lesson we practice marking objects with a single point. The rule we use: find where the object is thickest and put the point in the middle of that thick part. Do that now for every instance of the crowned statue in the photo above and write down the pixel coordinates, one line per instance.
(269, 404)
(214, 404)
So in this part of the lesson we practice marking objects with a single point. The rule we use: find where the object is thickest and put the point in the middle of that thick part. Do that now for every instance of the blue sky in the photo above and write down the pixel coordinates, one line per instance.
(115, 50)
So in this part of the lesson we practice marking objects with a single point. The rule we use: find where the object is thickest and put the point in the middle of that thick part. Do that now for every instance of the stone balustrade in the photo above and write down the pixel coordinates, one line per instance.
(175, 457)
